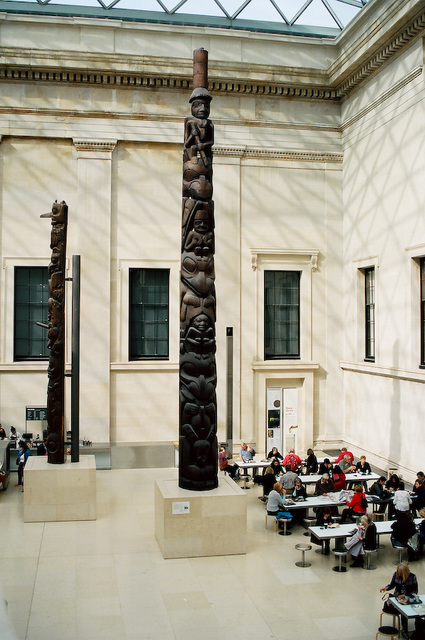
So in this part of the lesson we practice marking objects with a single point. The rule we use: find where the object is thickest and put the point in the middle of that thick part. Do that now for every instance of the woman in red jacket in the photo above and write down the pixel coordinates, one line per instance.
(338, 478)
(357, 506)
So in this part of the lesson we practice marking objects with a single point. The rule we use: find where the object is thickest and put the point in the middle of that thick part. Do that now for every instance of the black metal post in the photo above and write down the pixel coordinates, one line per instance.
(229, 390)
(75, 361)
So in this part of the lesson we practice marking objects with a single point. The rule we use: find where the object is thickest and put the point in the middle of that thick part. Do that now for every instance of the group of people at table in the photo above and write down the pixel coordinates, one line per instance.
(283, 486)
(282, 479)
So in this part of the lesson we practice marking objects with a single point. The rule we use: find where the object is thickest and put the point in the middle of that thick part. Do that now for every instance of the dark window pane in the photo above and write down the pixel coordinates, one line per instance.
(281, 314)
(31, 306)
(149, 313)
(370, 313)
(422, 269)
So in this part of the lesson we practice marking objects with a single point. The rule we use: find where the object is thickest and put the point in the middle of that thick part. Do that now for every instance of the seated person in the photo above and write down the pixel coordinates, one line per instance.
(357, 506)
(326, 467)
(421, 476)
(42, 448)
(246, 453)
(299, 491)
(288, 479)
(378, 489)
(338, 478)
(269, 480)
(404, 583)
(369, 540)
(346, 465)
(343, 454)
(324, 486)
(403, 529)
(293, 460)
(421, 531)
(311, 463)
(362, 466)
(402, 500)
(276, 502)
(324, 519)
(418, 496)
(274, 454)
(277, 468)
(14, 435)
(223, 463)
(2, 433)
(392, 483)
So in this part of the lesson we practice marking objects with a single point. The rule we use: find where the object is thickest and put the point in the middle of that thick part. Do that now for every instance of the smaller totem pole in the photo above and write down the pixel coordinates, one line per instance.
(56, 334)
(198, 376)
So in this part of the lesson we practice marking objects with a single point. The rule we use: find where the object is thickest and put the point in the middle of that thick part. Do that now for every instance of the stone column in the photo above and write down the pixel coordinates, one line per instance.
(93, 242)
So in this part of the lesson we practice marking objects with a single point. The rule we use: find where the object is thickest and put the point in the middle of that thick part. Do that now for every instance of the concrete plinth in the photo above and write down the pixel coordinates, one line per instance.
(58, 492)
(190, 524)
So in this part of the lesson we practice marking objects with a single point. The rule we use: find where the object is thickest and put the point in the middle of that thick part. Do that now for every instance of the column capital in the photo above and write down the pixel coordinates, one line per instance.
(100, 149)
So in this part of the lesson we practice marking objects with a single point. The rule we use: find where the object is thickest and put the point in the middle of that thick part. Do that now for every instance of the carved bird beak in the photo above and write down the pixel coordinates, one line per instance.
(47, 215)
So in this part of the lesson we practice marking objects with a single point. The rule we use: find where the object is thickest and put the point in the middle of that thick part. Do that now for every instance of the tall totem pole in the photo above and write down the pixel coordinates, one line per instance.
(56, 334)
(198, 375)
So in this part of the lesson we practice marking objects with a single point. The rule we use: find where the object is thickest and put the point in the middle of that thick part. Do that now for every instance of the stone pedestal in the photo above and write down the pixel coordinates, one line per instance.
(58, 492)
(189, 524)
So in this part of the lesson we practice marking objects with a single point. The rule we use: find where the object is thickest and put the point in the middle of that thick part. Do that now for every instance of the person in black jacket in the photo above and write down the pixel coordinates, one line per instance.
(311, 463)
(403, 529)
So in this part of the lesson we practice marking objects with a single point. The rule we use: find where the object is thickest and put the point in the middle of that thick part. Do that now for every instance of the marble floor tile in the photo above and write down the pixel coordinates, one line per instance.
(107, 579)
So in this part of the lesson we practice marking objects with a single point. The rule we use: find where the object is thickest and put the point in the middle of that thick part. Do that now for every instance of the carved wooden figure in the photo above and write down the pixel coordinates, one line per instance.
(198, 375)
(56, 334)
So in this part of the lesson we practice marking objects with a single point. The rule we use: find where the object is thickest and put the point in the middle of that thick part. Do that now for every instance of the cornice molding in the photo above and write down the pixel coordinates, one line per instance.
(303, 156)
(385, 53)
(16, 68)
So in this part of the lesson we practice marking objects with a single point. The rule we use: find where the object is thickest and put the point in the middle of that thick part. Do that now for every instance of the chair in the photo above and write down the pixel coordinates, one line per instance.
(386, 630)
(340, 554)
(400, 548)
(285, 522)
(303, 548)
(377, 515)
(368, 553)
(268, 515)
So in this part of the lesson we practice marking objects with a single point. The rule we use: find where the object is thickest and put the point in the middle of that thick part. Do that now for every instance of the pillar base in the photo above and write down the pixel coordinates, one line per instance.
(190, 524)
(59, 492)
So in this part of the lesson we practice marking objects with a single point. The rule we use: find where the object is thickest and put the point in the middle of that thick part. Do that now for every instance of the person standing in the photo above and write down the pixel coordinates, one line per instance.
(23, 455)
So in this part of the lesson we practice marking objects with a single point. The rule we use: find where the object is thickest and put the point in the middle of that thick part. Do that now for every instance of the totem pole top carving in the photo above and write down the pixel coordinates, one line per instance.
(198, 377)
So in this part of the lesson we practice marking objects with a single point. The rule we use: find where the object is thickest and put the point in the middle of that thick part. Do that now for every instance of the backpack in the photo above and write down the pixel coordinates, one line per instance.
(292, 461)
(253, 451)
(363, 503)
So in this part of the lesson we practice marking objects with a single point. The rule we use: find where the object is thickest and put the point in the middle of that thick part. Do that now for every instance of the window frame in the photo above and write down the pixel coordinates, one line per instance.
(132, 357)
(422, 310)
(20, 357)
(370, 313)
(273, 327)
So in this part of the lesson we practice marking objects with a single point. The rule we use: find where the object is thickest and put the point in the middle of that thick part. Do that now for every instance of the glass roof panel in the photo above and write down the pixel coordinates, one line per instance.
(323, 18)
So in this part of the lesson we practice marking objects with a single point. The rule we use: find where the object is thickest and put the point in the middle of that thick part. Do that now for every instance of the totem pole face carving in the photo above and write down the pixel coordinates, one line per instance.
(198, 374)
(56, 334)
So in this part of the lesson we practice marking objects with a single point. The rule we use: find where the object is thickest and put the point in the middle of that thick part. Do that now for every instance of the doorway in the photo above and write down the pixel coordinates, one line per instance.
(282, 419)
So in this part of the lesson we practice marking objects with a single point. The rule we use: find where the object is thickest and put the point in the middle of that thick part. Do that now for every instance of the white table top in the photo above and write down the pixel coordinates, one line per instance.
(331, 500)
(407, 609)
(344, 530)
(349, 477)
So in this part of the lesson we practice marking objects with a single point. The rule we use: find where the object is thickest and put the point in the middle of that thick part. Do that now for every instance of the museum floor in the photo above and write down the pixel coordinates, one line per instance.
(107, 580)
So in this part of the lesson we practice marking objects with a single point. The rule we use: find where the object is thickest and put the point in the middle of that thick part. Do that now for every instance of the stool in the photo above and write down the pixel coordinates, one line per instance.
(368, 553)
(268, 515)
(303, 548)
(400, 550)
(307, 522)
(340, 555)
(386, 630)
(245, 480)
(285, 522)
